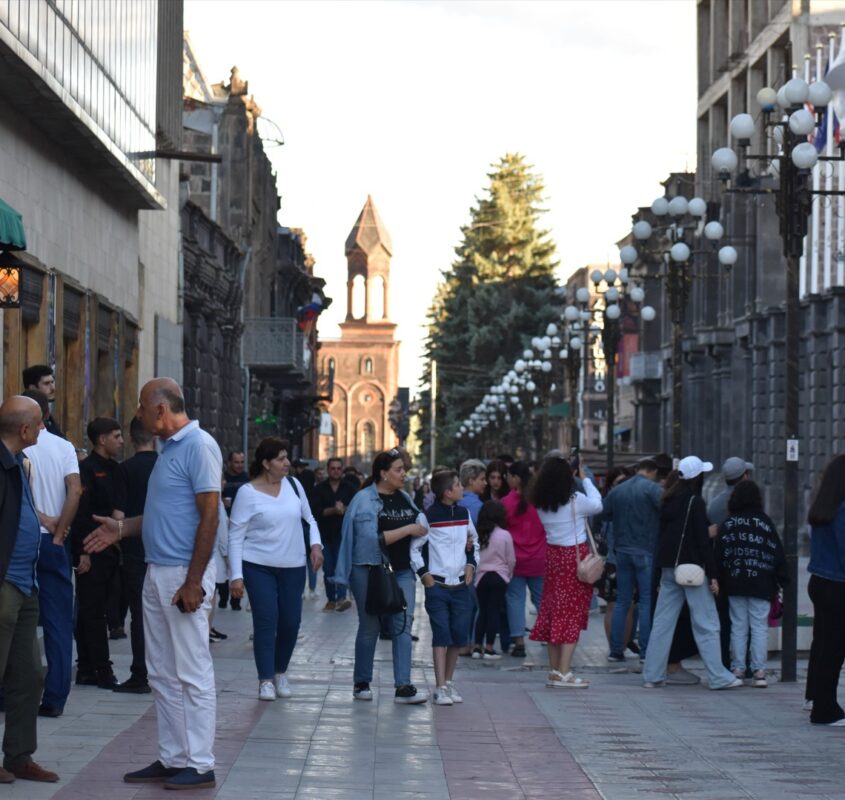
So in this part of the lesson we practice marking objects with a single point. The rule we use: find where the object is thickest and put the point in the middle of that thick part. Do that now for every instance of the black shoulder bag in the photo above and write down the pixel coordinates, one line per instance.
(306, 528)
(384, 595)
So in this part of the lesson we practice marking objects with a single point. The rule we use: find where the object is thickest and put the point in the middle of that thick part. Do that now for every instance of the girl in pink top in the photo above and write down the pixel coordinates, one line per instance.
(529, 541)
(495, 569)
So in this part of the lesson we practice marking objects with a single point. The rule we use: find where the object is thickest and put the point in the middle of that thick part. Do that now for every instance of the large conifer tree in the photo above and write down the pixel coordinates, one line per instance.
(495, 297)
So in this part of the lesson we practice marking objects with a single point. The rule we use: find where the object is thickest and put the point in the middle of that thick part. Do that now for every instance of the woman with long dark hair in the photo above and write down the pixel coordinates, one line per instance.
(497, 481)
(495, 568)
(529, 542)
(565, 607)
(381, 519)
(684, 539)
(267, 557)
(827, 591)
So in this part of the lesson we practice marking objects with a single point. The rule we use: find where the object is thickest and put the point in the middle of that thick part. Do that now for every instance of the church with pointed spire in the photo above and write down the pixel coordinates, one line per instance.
(365, 360)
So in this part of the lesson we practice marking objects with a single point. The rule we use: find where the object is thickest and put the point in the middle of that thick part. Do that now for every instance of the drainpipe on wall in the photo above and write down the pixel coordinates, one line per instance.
(244, 368)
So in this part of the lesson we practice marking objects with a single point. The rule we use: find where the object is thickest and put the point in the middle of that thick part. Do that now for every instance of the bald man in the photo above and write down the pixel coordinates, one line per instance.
(179, 526)
(20, 538)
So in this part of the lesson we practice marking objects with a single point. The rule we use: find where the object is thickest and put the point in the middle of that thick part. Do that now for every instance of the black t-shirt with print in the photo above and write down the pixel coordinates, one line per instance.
(397, 512)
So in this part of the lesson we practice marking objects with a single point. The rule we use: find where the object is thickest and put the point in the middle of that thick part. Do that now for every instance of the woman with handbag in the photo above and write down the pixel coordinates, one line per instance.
(688, 571)
(375, 551)
(572, 564)
(267, 557)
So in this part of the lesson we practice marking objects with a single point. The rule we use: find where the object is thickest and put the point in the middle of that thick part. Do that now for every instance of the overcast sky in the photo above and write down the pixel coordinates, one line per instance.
(411, 101)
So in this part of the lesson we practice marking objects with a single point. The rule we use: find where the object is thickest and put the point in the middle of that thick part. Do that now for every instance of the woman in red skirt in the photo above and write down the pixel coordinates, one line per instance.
(565, 607)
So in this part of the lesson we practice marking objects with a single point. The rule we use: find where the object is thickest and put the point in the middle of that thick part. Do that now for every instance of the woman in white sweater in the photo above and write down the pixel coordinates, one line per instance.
(565, 607)
(267, 555)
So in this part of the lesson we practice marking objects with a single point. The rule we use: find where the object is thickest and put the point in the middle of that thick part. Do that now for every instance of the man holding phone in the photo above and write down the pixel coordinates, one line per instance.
(179, 526)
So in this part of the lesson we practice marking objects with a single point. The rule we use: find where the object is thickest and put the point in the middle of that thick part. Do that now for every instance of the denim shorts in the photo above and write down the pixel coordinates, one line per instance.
(450, 613)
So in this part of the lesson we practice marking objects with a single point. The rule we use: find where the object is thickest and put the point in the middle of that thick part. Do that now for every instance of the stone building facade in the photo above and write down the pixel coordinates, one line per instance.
(733, 342)
(250, 363)
(365, 360)
(83, 159)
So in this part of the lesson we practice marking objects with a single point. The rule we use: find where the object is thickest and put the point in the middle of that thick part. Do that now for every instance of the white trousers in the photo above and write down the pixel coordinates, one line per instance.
(181, 672)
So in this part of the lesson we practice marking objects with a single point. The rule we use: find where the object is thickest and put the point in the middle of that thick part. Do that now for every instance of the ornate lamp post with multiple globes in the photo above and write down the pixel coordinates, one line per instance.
(616, 303)
(675, 242)
(787, 123)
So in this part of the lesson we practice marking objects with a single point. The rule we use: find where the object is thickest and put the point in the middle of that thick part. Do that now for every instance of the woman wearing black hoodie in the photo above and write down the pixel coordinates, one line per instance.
(684, 539)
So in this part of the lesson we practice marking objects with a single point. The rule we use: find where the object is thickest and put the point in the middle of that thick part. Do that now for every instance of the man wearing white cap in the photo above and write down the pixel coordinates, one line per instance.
(734, 470)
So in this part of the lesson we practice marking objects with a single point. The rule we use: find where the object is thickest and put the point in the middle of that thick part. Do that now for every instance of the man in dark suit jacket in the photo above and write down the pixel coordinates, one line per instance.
(20, 538)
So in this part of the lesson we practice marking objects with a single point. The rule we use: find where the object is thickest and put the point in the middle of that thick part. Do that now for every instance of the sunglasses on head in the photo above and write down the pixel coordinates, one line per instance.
(394, 453)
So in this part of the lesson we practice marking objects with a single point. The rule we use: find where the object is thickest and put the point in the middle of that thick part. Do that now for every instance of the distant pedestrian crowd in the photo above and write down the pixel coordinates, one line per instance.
(173, 532)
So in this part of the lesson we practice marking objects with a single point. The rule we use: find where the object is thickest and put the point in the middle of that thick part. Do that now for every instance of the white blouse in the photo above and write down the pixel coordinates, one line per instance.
(565, 529)
(267, 530)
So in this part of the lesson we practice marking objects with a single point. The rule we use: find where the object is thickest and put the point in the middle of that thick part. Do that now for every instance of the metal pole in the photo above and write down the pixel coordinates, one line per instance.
(789, 625)
(433, 414)
(582, 390)
(677, 385)
(611, 387)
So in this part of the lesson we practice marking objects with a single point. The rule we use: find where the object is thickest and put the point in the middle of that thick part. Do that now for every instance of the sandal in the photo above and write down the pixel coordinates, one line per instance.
(557, 680)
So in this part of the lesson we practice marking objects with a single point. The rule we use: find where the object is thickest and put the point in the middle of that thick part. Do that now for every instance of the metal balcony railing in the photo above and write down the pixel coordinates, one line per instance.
(274, 342)
(646, 366)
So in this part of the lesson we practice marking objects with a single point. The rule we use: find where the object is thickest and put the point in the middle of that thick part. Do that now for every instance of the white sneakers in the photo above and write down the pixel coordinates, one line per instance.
(441, 697)
(280, 683)
(453, 692)
(278, 687)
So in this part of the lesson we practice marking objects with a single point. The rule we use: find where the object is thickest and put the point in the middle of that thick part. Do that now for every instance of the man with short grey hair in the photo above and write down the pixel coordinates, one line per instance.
(179, 527)
(734, 470)
(473, 477)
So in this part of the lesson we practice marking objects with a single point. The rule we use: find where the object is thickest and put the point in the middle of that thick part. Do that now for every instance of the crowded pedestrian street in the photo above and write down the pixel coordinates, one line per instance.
(511, 738)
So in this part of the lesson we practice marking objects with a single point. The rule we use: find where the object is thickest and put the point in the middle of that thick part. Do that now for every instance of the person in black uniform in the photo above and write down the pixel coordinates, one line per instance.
(328, 503)
(234, 476)
(102, 494)
(135, 475)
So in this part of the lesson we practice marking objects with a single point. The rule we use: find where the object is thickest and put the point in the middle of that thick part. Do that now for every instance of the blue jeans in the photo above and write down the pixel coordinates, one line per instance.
(334, 591)
(515, 600)
(55, 600)
(705, 629)
(275, 594)
(631, 570)
(449, 613)
(369, 626)
(753, 613)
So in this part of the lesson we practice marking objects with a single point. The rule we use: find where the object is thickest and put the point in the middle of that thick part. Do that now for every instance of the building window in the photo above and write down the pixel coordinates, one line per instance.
(368, 439)
(367, 366)
(331, 365)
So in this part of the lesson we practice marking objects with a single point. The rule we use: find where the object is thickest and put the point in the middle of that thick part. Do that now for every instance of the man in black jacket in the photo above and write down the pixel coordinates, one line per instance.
(102, 494)
(328, 503)
(20, 536)
(135, 476)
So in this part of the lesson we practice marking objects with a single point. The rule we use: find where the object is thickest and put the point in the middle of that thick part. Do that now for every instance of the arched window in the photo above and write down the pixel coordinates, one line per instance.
(377, 298)
(331, 446)
(331, 365)
(366, 366)
(368, 439)
(359, 297)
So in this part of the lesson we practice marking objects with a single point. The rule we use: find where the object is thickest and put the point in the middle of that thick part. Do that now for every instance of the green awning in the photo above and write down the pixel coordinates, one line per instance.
(557, 410)
(12, 236)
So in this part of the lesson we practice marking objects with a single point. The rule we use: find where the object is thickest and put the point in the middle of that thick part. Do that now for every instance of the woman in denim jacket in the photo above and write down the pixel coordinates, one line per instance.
(827, 591)
(381, 511)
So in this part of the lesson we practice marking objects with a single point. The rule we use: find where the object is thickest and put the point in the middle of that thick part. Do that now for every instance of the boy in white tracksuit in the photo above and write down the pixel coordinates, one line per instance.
(445, 560)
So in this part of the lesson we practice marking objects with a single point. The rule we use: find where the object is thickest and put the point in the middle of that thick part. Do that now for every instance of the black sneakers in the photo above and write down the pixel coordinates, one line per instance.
(409, 695)
(133, 686)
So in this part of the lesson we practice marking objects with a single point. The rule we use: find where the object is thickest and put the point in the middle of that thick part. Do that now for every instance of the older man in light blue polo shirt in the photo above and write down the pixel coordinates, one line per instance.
(179, 526)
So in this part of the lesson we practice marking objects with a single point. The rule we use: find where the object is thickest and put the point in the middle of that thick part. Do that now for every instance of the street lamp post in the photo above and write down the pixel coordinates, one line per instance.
(617, 297)
(793, 199)
(687, 224)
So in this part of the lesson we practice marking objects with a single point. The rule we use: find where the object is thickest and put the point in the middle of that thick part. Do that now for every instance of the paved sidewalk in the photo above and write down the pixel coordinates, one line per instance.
(511, 738)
